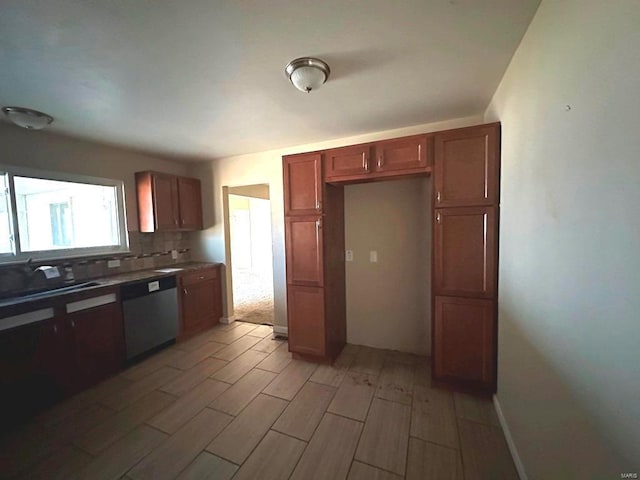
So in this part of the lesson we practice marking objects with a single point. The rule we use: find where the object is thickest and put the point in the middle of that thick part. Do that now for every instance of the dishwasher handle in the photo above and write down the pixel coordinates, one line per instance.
(147, 287)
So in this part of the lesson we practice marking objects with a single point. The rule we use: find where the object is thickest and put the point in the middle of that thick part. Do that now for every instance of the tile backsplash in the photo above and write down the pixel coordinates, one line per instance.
(147, 250)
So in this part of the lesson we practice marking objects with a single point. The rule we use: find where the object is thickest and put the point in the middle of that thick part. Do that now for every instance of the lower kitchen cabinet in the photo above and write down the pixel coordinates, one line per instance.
(464, 341)
(306, 320)
(32, 360)
(200, 301)
(97, 337)
(45, 361)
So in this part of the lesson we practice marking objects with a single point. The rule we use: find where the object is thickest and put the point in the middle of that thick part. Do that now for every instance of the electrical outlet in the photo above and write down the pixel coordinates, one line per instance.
(349, 256)
(373, 256)
(174, 254)
(113, 263)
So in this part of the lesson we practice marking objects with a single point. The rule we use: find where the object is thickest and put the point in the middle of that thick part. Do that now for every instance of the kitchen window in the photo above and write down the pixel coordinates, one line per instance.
(51, 215)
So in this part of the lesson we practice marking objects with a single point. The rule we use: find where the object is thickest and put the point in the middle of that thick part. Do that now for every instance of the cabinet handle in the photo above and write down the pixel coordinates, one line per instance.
(318, 204)
(365, 162)
(438, 197)
(380, 160)
(419, 152)
(438, 217)
(185, 291)
(55, 329)
(73, 324)
(318, 225)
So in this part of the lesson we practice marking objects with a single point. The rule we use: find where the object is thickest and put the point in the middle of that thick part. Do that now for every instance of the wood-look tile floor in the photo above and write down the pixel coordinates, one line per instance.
(232, 403)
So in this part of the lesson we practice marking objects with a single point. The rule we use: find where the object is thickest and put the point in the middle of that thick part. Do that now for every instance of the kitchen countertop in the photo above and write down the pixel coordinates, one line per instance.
(19, 305)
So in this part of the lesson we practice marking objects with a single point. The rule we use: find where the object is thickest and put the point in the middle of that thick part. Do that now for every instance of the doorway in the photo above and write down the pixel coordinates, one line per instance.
(251, 253)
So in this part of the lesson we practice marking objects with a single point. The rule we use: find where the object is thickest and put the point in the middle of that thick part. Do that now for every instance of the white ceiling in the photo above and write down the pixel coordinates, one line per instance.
(202, 78)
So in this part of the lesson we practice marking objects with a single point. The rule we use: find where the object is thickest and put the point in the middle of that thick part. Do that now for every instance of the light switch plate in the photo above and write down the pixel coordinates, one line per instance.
(349, 256)
(373, 256)
(113, 263)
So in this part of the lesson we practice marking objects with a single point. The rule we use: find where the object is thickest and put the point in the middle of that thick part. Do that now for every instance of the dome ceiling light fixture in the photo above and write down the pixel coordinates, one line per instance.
(27, 118)
(307, 73)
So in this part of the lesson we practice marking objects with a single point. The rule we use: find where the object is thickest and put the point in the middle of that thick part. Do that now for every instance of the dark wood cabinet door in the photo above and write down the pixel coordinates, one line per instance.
(31, 360)
(465, 251)
(54, 357)
(190, 203)
(98, 343)
(165, 202)
(464, 333)
(306, 328)
(347, 162)
(409, 153)
(303, 184)
(200, 300)
(304, 250)
(466, 166)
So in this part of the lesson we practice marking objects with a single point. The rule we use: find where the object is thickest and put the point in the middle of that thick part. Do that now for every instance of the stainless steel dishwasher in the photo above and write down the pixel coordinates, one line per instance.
(150, 311)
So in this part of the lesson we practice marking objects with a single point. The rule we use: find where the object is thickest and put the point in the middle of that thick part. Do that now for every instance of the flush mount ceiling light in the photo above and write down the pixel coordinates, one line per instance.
(307, 73)
(27, 118)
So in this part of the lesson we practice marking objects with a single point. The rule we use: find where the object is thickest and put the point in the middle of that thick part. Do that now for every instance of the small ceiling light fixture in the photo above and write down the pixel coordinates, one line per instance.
(27, 118)
(307, 73)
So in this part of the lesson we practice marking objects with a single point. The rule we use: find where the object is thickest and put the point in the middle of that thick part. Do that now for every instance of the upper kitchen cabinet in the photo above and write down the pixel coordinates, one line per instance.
(467, 166)
(168, 203)
(189, 203)
(303, 184)
(402, 155)
(348, 162)
(389, 158)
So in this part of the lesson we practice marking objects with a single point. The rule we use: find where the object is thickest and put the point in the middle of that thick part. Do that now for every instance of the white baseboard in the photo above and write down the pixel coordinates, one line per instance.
(510, 443)
(227, 320)
(279, 330)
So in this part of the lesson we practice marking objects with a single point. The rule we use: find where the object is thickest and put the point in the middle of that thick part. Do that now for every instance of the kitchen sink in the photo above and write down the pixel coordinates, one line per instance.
(53, 291)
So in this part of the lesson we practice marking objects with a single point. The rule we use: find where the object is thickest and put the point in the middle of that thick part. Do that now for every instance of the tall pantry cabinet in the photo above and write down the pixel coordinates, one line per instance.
(465, 257)
(314, 239)
(465, 167)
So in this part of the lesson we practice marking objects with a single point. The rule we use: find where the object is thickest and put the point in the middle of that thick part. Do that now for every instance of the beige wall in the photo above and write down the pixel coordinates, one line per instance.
(46, 151)
(388, 301)
(569, 315)
(266, 167)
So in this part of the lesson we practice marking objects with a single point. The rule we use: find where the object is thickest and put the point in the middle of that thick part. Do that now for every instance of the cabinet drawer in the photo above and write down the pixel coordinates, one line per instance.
(199, 276)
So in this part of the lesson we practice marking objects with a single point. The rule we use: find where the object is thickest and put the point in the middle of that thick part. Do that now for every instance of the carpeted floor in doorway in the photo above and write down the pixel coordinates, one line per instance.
(252, 297)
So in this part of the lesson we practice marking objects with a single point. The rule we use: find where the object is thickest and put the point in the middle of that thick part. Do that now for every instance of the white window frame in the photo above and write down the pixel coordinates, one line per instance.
(62, 253)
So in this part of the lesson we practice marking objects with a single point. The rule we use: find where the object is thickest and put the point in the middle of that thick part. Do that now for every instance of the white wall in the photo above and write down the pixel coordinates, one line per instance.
(266, 167)
(47, 151)
(569, 315)
(388, 301)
